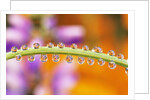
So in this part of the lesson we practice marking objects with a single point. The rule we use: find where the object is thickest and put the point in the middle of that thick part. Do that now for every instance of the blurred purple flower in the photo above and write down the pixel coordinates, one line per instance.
(14, 66)
(19, 21)
(16, 84)
(15, 37)
(64, 78)
(50, 22)
(70, 34)
(42, 89)
(16, 81)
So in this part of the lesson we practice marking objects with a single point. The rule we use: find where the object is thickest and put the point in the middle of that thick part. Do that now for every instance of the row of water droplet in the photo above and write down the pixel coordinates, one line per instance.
(69, 58)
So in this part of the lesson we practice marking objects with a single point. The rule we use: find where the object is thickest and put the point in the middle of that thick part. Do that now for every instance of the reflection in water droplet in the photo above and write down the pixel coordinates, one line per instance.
(60, 45)
(112, 65)
(81, 60)
(111, 52)
(36, 45)
(69, 59)
(44, 58)
(85, 47)
(126, 71)
(74, 46)
(24, 47)
(18, 57)
(90, 61)
(31, 58)
(55, 58)
(50, 45)
(120, 56)
(97, 49)
(14, 49)
(101, 62)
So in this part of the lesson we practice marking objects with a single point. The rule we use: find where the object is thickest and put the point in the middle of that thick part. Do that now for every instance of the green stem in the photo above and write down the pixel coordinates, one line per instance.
(67, 51)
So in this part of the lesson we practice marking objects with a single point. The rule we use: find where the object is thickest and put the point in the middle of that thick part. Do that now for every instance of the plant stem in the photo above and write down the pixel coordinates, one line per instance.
(67, 51)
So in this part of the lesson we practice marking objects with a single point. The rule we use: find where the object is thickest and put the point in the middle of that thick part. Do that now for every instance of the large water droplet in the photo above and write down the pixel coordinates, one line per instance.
(60, 45)
(44, 58)
(55, 58)
(81, 60)
(50, 45)
(97, 49)
(74, 46)
(101, 62)
(112, 65)
(31, 58)
(24, 47)
(18, 57)
(36, 45)
(69, 59)
(14, 49)
(120, 56)
(111, 52)
(85, 47)
(90, 61)
(126, 71)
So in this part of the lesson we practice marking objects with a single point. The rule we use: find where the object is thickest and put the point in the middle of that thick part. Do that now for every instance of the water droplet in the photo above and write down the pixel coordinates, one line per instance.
(111, 52)
(50, 45)
(112, 65)
(120, 56)
(55, 58)
(85, 47)
(24, 47)
(14, 49)
(126, 71)
(74, 46)
(69, 59)
(97, 49)
(44, 58)
(31, 58)
(18, 57)
(81, 60)
(60, 45)
(36, 45)
(101, 62)
(90, 61)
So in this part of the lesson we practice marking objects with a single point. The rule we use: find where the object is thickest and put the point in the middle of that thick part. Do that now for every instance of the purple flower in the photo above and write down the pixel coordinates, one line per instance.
(50, 22)
(19, 21)
(16, 84)
(15, 37)
(64, 78)
(70, 34)
(15, 79)
(42, 89)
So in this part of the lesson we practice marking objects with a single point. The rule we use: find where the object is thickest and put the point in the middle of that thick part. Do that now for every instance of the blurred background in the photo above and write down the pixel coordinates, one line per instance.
(108, 31)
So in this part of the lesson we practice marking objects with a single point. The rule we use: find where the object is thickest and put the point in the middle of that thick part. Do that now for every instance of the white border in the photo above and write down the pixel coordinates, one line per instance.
(131, 45)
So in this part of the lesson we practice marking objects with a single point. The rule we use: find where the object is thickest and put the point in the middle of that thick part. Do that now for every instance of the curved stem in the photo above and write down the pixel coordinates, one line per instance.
(67, 51)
